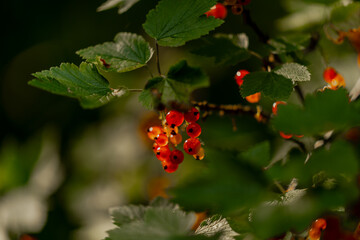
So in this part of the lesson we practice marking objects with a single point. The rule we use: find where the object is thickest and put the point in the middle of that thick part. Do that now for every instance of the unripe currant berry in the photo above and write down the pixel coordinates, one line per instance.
(174, 118)
(171, 130)
(244, 2)
(176, 156)
(176, 139)
(320, 223)
(154, 131)
(192, 146)
(239, 76)
(285, 136)
(275, 106)
(162, 139)
(200, 154)
(217, 11)
(337, 82)
(163, 153)
(155, 147)
(193, 130)
(254, 98)
(192, 115)
(170, 167)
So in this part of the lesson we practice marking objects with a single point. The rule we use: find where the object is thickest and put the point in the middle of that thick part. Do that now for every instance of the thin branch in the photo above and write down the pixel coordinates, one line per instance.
(135, 90)
(300, 94)
(248, 20)
(158, 58)
(236, 109)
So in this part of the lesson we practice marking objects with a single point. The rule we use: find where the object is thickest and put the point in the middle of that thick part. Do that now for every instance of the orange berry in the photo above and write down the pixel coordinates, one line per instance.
(200, 154)
(176, 139)
(161, 139)
(254, 98)
(154, 131)
(320, 223)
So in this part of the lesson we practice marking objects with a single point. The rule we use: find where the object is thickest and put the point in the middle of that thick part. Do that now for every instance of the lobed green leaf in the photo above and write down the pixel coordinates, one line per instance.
(129, 51)
(174, 22)
(84, 83)
(177, 86)
(270, 84)
(295, 72)
(223, 49)
(325, 111)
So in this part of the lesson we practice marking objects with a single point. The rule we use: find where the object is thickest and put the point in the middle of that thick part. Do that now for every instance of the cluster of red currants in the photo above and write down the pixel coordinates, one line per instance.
(282, 134)
(333, 78)
(169, 133)
(219, 10)
(239, 77)
(316, 228)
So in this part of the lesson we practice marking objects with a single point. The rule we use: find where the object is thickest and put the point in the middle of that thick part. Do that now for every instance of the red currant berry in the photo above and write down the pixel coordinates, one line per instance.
(176, 156)
(200, 154)
(329, 74)
(155, 147)
(217, 11)
(320, 224)
(174, 118)
(162, 140)
(254, 98)
(154, 131)
(192, 116)
(171, 131)
(314, 234)
(275, 106)
(170, 167)
(337, 82)
(163, 153)
(193, 130)
(244, 2)
(192, 146)
(176, 139)
(239, 76)
(285, 136)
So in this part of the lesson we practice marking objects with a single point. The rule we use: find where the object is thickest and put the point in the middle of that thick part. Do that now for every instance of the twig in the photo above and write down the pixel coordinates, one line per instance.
(248, 20)
(158, 58)
(236, 109)
(300, 94)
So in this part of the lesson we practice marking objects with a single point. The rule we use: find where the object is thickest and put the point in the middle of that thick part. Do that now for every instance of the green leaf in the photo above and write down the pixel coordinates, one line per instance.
(126, 214)
(295, 72)
(123, 5)
(346, 17)
(270, 84)
(224, 186)
(84, 83)
(258, 155)
(181, 80)
(216, 225)
(223, 50)
(154, 223)
(289, 44)
(174, 22)
(322, 112)
(129, 51)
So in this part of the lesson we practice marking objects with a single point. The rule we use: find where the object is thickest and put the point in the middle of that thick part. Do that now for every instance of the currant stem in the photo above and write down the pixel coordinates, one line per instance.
(227, 109)
(248, 20)
(158, 58)
(135, 90)
(300, 94)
